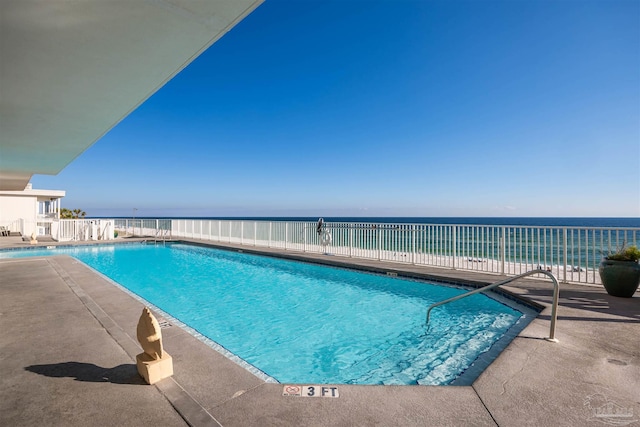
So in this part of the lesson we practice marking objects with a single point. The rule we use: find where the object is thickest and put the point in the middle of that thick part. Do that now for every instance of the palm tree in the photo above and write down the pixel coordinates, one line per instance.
(72, 214)
(66, 213)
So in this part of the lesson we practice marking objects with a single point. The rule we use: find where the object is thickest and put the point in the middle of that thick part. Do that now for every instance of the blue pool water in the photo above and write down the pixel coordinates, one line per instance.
(306, 323)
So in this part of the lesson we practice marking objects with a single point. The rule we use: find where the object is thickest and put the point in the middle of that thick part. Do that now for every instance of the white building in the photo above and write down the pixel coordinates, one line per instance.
(38, 211)
(31, 210)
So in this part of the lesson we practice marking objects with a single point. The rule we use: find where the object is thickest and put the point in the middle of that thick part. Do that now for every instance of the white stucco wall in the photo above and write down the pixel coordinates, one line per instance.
(13, 208)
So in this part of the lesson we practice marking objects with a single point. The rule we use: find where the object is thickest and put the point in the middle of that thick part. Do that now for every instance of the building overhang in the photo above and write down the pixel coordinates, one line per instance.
(71, 70)
(40, 194)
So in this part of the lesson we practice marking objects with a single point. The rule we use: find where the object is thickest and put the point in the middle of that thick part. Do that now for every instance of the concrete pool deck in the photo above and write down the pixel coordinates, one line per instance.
(68, 350)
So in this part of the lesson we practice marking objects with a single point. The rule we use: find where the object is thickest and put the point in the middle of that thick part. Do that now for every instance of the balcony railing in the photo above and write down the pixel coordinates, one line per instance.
(47, 216)
(571, 253)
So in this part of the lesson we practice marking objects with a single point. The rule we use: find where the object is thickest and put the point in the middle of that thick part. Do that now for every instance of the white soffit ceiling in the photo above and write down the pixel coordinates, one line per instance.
(70, 70)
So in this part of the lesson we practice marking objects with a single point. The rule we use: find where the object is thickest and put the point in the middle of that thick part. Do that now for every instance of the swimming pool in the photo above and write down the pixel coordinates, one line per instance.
(306, 323)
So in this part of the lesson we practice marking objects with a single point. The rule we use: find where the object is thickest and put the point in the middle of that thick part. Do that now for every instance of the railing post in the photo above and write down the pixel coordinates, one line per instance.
(270, 224)
(304, 238)
(255, 233)
(564, 250)
(378, 242)
(242, 232)
(454, 243)
(503, 250)
(286, 234)
(413, 244)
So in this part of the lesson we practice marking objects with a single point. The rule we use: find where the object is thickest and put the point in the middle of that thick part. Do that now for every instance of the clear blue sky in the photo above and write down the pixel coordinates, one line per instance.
(386, 108)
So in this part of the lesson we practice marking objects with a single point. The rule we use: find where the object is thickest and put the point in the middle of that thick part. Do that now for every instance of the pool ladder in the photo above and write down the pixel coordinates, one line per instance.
(161, 236)
(554, 307)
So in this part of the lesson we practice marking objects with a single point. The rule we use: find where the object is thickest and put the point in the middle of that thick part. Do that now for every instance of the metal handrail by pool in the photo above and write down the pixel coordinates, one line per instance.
(554, 307)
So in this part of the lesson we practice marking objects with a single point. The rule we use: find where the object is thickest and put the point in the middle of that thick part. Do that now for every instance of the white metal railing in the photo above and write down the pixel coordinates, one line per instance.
(144, 227)
(554, 305)
(82, 229)
(72, 230)
(571, 253)
(16, 226)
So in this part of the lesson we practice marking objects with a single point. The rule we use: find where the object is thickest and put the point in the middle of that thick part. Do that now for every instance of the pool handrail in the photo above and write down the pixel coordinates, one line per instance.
(554, 306)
